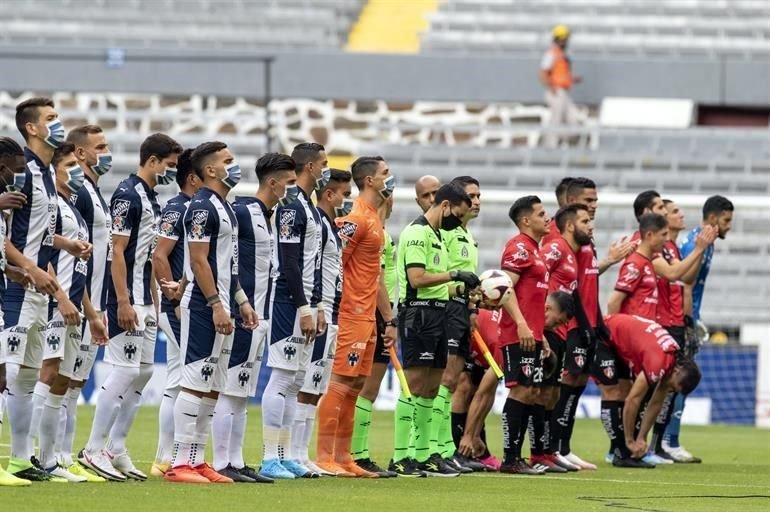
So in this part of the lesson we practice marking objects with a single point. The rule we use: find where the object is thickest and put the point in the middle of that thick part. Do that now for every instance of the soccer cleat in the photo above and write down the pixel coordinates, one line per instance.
(159, 469)
(235, 475)
(58, 472)
(457, 467)
(562, 461)
(609, 458)
(664, 455)
(259, 479)
(9, 480)
(549, 465)
(652, 458)
(334, 469)
(123, 463)
(297, 469)
(628, 462)
(358, 471)
(272, 468)
(100, 464)
(466, 462)
(185, 474)
(680, 455)
(372, 467)
(406, 467)
(26, 470)
(573, 459)
(520, 467)
(491, 463)
(210, 474)
(312, 466)
(76, 469)
(437, 466)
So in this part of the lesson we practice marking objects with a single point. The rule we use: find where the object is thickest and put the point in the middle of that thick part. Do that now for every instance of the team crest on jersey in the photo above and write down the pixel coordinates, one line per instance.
(207, 371)
(78, 364)
(243, 378)
(289, 351)
(129, 350)
(632, 273)
(526, 369)
(14, 341)
(609, 372)
(554, 254)
(317, 379)
(580, 361)
(353, 358)
(119, 223)
(168, 222)
(436, 259)
(53, 341)
(464, 252)
(522, 254)
(288, 217)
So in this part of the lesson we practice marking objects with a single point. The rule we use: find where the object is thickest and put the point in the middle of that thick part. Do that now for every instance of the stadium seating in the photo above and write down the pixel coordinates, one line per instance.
(603, 27)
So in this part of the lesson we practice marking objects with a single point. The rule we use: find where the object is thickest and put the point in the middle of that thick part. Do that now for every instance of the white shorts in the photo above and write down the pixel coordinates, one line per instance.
(23, 338)
(171, 327)
(87, 352)
(322, 361)
(288, 350)
(205, 353)
(129, 348)
(246, 360)
(63, 342)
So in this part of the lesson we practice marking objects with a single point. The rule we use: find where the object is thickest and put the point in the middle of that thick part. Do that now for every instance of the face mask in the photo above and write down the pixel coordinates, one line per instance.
(326, 175)
(233, 175)
(19, 179)
(103, 164)
(168, 176)
(55, 136)
(345, 209)
(450, 223)
(290, 194)
(75, 178)
(389, 185)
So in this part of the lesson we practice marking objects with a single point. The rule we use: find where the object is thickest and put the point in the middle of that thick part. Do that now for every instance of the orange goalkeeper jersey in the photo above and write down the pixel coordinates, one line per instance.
(362, 242)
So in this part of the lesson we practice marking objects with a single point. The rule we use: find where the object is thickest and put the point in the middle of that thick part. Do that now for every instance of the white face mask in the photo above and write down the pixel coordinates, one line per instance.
(233, 175)
(168, 176)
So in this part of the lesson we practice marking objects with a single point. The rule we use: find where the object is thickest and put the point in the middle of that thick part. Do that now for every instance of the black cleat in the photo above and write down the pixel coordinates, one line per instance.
(663, 454)
(256, 477)
(519, 467)
(230, 472)
(452, 463)
(372, 467)
(629, 462)
(406, 467)
(437, 466)
(34, 473)
(472, 464)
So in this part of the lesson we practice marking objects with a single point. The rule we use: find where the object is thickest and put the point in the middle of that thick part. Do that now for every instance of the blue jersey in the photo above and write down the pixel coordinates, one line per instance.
(172, 227)
(256, 248)
(71, 272)
(210, 218)
(331, 274)
(32, 227)
(135, 214)
(298, 258)
(96, 214)
(685, 248)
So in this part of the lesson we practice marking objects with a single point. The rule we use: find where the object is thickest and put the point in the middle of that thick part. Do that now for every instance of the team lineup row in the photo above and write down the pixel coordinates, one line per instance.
(227, 282)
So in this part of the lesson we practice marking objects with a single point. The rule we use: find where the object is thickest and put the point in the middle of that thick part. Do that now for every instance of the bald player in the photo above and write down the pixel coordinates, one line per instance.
(425, 190)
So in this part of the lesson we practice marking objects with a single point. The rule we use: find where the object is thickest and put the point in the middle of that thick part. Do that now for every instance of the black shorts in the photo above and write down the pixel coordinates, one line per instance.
(579, 352)
(475, 372)
(522, 368)
(458, 329)
(678, 334)
(558, 347)
(381, 354)
(607, 367)
(422, 331)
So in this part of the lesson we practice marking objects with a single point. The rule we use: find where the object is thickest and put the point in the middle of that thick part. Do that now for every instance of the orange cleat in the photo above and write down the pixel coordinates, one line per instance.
(210, 474)
(358, 471)
(335, 469)
(185, 474)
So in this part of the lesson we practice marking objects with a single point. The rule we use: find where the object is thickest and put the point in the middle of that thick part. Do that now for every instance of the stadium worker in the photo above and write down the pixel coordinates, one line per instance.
(256, 252)
(364, 403)
(211, 296)
(168, 261)
(32, 243)
(632, 342)
(363, 293)
(556, 75)
(93, 156)
(130, 302)
(718, 214)
(560, 254)
(297, 314)
(423, 277)
(333, 201)
(425, 189)
(521, 332)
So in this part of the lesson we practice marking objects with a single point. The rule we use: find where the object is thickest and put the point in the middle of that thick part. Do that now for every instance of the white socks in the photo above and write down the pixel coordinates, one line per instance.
(274, 402)
(228, 443)
(118, 381)
(298, 434)
(67, 426)
(21, 385)
(310, 412)
(186, 410)
(128, 409)
(166, 426)
(38, 400)
(237, 436)
(49, 422)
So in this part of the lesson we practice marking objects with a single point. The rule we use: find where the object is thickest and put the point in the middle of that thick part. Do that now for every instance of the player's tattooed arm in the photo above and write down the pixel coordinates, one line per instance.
(42, 280)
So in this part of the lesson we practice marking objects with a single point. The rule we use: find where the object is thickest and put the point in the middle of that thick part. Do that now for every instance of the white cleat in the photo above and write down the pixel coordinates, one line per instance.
(566, 464)
(123, 463)
(577, 461)
(60, 472)
(680, 454)
(101, 465)
(312, 466)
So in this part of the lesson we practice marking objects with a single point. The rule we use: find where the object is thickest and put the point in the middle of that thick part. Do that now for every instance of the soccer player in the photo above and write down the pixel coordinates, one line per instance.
(295, 318)
(130, 303)
(423, 277)
(521, 332)
(463, 254)
(717, 213)
(93, 156)
(425, 189)
(363, 292)
(638, 344)
(32, 232)
(168, 262)
(561, 191)
(560, 253)
(648, 201)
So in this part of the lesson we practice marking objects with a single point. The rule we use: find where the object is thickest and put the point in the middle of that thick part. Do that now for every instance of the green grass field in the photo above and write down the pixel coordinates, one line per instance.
(735, 476)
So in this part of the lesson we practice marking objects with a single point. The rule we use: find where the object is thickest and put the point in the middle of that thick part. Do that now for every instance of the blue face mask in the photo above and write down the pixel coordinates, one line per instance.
(19, 180)
(75, 178)
(233, 175)
(55, 136)
(103, 164)
(345, 209)
(291, 193)
(168, 176)
(389, 185)
(326, 175)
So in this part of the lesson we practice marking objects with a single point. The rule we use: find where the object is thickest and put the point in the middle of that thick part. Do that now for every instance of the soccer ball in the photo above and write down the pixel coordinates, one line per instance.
(496, 287)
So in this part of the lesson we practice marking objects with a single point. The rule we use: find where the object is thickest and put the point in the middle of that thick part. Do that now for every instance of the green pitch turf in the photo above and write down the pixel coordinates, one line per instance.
(734, 476)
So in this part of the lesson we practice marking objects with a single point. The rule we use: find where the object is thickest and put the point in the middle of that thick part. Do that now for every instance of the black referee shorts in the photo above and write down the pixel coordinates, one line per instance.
(422, 331)
(458, 328)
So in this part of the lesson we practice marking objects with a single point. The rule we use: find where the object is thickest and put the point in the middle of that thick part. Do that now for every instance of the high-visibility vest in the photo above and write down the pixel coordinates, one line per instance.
(561, 75)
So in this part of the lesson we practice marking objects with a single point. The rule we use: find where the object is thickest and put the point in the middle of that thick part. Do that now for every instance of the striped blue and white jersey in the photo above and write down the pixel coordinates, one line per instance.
(95, 212)
(331, 274)
(256, 247)
(172, 227)
(135, 214)
(71, 272)
(3, 260)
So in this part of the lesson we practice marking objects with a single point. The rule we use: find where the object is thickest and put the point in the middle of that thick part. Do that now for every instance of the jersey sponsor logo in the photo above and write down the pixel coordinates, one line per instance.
(415, 243)
(348, 229)
(427, 356)
(199, 218)
(287, 217)
(81, 267)
(120, 208)
(168, 223)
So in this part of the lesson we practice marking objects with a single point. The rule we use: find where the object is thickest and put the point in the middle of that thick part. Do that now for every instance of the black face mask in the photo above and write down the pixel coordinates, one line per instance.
(451, 222)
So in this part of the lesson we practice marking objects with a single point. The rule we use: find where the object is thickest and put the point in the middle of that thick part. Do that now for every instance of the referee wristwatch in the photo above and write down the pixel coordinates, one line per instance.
(393, 322)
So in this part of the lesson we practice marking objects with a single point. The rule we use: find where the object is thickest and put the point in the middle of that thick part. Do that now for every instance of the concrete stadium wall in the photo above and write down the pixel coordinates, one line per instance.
(338, 75)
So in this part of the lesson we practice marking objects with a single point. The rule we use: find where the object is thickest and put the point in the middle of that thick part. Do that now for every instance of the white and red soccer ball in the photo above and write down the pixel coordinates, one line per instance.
(496, 287)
